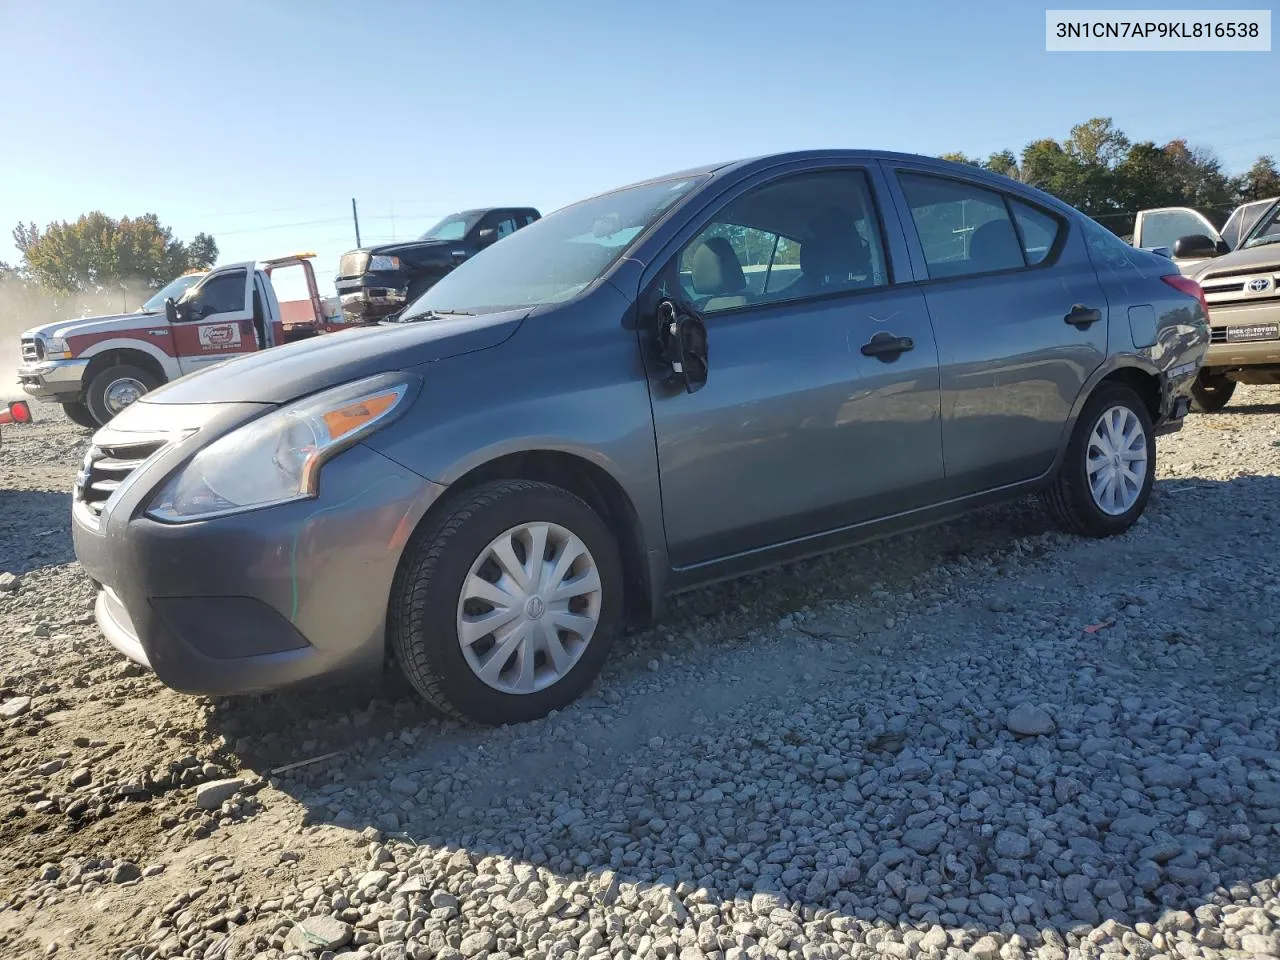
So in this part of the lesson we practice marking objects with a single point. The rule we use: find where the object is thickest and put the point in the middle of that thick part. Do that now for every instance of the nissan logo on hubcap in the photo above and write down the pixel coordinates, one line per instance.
(1258, 284)
(535, 608)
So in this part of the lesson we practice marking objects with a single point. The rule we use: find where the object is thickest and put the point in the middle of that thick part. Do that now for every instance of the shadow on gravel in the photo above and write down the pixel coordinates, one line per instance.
(1256, 408)
(883, 813)
(35, 530)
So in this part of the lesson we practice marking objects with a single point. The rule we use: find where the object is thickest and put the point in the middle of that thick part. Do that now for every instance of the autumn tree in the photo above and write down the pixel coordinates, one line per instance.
(1259, 182)
(97, 252)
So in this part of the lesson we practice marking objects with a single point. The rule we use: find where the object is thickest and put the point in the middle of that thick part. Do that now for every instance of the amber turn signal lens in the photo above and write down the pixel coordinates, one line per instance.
(353, 416)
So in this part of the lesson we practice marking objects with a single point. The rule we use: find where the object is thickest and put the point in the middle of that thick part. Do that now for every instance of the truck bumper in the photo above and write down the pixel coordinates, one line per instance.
(370, 298)
(1262, 318)
(57, 381)
(261, 600)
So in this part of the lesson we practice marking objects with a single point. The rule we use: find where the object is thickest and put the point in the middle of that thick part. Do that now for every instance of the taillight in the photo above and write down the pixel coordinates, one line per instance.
(1189, 287)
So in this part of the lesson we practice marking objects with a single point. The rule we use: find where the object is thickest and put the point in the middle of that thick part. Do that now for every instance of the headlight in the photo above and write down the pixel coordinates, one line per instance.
(277, 458)
(380, 263)
(55, 348)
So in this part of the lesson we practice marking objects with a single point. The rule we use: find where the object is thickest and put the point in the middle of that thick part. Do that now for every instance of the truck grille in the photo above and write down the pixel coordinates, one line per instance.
(353, 264)
(1258, 285)
(32, 350)
(107, 466)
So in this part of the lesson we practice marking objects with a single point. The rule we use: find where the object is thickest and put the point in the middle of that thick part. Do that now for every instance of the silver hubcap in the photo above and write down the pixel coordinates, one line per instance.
(1117, 460)
(121, 393)
(529, 607)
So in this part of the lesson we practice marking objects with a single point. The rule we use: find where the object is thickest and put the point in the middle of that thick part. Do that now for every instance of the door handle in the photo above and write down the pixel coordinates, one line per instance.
(1082, 317)
(886, 347)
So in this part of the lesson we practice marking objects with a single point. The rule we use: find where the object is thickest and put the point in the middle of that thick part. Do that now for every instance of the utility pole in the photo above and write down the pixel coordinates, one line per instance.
(355, 217)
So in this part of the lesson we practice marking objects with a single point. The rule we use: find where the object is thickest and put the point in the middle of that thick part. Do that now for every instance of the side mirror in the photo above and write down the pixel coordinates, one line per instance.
(486, 236)
(682, 343)
(1194, 245)
(170, 310)
(1223, 247)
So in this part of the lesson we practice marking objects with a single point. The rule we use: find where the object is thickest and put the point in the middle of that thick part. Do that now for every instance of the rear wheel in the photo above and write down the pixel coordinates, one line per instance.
(79, 414)
(1106, 475)
(1211, 392)
(114, 388)
(506, 604)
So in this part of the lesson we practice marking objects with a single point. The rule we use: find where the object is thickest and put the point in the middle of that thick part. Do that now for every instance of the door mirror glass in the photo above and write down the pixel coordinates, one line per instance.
(682, 342)
(1194, 245)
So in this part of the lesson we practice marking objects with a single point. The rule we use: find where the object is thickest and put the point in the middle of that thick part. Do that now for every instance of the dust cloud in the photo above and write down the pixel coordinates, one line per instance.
(24, 305)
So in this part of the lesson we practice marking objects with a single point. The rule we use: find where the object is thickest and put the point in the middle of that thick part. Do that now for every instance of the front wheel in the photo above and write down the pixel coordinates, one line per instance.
(505, 604)
(79, 414)
(1109, 467)
(114, 388)
(1211, 392)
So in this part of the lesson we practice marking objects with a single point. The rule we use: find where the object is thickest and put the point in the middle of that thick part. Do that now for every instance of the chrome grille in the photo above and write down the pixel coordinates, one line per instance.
(108, 465)
(32, 350)
(1217, 334)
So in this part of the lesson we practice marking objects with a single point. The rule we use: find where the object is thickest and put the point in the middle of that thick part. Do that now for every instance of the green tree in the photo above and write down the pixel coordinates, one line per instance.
(955, 156)
(97, 252)
(1147, 178)
(1259, 182)
(1003, 162)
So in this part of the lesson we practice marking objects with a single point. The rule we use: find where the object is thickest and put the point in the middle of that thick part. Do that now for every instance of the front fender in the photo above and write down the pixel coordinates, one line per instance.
(167, 363)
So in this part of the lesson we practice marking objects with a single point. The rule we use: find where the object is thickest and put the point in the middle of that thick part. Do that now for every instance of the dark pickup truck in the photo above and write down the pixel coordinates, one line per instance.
(377, 282)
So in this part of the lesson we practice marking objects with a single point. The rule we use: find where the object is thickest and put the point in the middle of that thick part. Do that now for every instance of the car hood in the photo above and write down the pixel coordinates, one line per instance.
(294, 370)
(411, 246)
(76, 328)
(1264, 257)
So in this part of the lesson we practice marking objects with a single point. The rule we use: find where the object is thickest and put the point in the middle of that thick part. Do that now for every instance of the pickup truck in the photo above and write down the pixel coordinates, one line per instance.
(375, 283)
(96, 366)
(1238, 267)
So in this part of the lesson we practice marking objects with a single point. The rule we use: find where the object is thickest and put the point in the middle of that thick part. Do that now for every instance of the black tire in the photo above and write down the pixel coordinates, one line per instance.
(422, 618)
(1211, 392)
(96, 394)
(79, 414)
(1069, 497)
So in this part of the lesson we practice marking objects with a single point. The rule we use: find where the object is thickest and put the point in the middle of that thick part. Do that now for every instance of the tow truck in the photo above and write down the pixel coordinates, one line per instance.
(96, 366)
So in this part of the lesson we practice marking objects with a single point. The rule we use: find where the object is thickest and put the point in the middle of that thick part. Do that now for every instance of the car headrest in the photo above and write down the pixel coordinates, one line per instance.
(715, 269)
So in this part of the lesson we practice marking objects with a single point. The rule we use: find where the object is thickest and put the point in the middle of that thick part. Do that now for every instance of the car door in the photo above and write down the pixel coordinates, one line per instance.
(216, 319)
(1020, 317)
(1158, 229)
(820, 408)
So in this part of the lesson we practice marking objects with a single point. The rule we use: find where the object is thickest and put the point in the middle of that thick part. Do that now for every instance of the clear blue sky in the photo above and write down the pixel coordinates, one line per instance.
(259, 120)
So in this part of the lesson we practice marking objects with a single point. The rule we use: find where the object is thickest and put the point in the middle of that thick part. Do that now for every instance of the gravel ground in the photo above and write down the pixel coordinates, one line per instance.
(982, 740)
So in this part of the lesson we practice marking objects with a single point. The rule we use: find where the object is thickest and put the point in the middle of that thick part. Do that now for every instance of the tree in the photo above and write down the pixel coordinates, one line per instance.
(1096, 142)
(1259, 182)
(955, 156)
(1003, 162)
(97, 252)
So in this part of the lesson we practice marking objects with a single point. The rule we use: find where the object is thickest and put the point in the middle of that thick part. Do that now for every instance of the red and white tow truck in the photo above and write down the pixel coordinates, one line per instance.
(95, 367)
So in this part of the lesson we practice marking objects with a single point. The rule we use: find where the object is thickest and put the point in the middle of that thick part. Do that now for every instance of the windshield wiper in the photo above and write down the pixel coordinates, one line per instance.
(454, 313)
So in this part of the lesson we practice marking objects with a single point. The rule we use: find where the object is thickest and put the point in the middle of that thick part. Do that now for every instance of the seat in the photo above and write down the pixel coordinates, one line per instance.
(834, 258)
(994, 246)
(717, 275)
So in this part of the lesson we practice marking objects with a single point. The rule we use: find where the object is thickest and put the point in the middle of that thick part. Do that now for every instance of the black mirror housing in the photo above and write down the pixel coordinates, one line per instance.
(170, 310)
(682, 342)
(1194, 245)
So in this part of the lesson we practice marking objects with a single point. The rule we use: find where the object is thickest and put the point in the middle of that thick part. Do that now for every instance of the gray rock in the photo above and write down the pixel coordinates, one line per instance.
(317, 934)
(1028, 720)
(15, 707)
(1012, 845)
(9, 582)
(125, 872)
(924, 840)
(476, 943)
(212, 795)
(1167, 775)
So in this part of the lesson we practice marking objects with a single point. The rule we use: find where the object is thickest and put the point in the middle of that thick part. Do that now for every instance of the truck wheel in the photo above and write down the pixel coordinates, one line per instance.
(115, 388)
(1106, 475)
(79, 414)
(505, 605)
(1211, 392)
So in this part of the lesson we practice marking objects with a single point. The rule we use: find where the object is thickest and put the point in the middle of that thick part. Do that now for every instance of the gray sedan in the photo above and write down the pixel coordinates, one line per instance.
(677, 381)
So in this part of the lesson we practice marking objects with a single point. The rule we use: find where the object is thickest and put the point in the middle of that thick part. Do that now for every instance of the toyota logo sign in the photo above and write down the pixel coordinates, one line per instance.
(1258, 284)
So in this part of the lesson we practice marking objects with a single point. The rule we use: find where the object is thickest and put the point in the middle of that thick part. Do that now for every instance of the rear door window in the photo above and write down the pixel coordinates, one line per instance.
(963, 228)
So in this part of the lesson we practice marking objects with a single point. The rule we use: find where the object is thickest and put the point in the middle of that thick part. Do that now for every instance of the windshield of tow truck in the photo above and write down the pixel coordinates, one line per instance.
(453, 227)
(174, 288)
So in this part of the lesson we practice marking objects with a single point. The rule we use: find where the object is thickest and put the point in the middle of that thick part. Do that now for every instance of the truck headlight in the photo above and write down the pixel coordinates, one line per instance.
(277, 458)
(380, 263)
(55, 348)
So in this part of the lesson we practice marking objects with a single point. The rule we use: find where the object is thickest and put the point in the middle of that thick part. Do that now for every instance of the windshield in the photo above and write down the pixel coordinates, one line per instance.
(453, 227)
(554, 258)
(1266, 230)
(175, 289)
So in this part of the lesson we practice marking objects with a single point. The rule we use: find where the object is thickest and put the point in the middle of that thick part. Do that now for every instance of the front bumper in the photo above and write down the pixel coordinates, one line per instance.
(58, 381)
(372, 296)
(1250, 353)
(258, 601)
